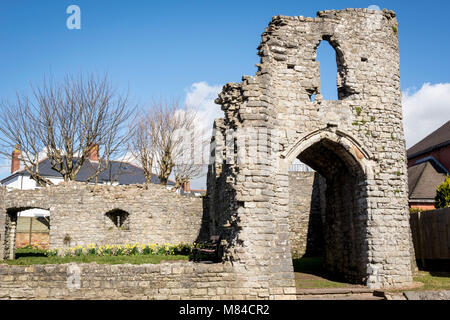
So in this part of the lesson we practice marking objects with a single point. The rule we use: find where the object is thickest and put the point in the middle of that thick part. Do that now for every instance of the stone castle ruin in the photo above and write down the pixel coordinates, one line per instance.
(355, 145)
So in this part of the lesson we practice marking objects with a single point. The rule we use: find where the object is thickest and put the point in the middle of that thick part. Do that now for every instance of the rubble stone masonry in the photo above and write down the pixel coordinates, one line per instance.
(80, 214)
(272, 118)
(356, 143)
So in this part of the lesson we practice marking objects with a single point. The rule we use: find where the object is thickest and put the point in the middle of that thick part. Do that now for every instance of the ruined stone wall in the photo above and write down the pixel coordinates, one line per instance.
(305, 215)
(220, 206)
(8, 225)
(79, 215)
(306, 190)
(168, 280)
(356, 143)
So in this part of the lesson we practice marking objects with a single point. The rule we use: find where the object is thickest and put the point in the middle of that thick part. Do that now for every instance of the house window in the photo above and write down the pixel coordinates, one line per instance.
(119, 219)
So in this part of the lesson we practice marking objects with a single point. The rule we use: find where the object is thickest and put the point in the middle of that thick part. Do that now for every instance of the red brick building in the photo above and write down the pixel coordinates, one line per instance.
(428, 165)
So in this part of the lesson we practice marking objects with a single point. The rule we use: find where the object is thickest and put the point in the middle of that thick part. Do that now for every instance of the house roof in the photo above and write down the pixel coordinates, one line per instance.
(423, 179)
(435, 140)
(118, 171)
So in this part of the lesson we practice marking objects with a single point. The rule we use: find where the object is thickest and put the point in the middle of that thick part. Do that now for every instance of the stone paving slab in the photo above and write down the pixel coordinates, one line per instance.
(364, 296)
(350, 293)
(427, 295)
(331, 291)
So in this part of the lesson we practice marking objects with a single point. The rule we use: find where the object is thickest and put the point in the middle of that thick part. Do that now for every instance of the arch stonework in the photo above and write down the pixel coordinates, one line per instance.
(361, 155)
(270, 120)
(10, 205)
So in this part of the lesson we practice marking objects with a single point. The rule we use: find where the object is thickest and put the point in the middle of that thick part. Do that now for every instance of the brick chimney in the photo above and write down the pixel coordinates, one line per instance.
(93, 153)
(15, 161)
(187, 186)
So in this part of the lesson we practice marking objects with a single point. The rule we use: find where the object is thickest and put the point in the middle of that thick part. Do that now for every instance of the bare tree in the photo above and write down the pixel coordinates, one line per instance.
(142, 142)
(64, 121)
(162, 140)
(189, 156)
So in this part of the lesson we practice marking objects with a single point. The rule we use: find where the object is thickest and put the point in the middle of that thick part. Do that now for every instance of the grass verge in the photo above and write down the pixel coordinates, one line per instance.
(309, 274)
(433, 280)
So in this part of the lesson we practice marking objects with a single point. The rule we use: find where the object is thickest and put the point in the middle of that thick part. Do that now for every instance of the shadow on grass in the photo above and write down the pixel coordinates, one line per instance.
(25, 253)
(441, 274)
(34, 256)
(312, 266)
(437, 268)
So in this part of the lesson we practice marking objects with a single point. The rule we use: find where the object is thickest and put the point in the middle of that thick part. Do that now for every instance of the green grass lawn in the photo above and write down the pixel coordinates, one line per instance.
(318, 283)
(433, 280)
(309, 274)
(34, 256)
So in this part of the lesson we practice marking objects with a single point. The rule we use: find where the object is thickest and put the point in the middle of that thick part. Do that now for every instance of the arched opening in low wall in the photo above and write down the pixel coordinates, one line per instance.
(33, 229)
(11, 229)
(342, 195)
(117, 219)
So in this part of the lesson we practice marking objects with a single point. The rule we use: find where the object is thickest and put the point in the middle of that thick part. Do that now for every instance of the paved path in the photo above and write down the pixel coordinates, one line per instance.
(350, 293)
(420, 295)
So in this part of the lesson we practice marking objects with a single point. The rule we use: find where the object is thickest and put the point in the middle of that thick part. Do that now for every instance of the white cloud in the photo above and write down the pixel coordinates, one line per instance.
(425, 110)
(200, 96)
(374, 7)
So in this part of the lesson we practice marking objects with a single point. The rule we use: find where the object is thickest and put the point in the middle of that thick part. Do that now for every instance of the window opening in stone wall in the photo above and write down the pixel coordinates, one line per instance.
(326, 56)
(33, 228)
(26, 228)
(119, 219)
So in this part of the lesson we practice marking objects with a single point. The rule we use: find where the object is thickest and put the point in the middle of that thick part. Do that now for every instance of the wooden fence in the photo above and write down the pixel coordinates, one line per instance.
(431, 234)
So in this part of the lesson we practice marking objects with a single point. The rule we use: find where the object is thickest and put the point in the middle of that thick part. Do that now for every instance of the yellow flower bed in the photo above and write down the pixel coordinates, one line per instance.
(125, 250)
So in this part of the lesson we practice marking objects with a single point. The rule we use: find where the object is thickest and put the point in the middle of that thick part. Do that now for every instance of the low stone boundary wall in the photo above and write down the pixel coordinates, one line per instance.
(168, 280)
(82, 214)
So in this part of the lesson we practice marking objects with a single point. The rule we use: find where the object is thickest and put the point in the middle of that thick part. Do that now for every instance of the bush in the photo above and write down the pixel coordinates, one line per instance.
(443, 194)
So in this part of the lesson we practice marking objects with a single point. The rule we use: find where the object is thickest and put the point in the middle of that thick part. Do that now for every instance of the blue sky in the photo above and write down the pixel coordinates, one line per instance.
(164, 48)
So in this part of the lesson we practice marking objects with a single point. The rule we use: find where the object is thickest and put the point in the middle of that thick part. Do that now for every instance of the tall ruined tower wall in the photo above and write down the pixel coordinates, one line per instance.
(356, 143)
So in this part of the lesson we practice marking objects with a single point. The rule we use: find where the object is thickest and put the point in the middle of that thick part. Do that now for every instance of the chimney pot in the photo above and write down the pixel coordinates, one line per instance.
(93, 153)
(15, 161)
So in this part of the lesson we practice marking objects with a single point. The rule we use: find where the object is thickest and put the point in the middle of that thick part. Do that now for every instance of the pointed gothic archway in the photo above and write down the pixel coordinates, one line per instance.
(337, 157)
